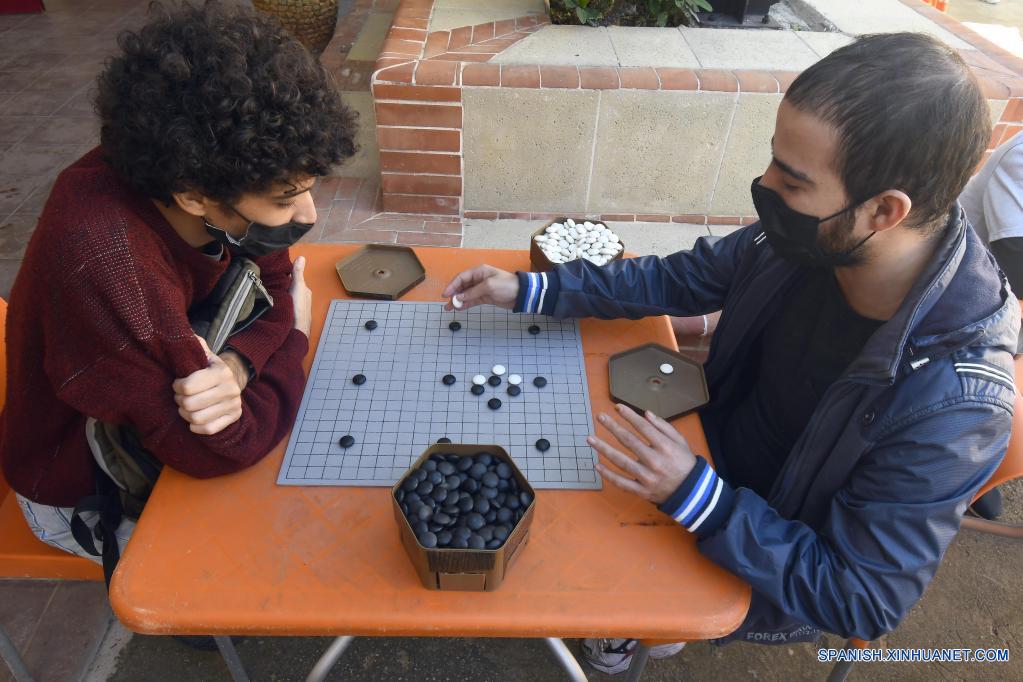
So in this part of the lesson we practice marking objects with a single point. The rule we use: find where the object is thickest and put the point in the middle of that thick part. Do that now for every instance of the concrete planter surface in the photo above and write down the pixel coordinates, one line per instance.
(486, 115)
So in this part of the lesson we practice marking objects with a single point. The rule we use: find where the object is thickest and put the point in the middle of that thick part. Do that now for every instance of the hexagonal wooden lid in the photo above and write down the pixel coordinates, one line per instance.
(637, 381)
(381, 271)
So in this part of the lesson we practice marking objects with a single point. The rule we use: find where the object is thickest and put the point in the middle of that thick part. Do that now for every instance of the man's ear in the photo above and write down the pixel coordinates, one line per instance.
(192, 202)
(889, 209)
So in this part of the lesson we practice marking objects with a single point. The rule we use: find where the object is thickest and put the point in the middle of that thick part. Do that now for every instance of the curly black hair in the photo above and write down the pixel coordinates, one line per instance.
(218, 99)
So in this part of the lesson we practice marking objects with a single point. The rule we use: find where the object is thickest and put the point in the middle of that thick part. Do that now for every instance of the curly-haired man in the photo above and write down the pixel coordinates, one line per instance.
(214, 125)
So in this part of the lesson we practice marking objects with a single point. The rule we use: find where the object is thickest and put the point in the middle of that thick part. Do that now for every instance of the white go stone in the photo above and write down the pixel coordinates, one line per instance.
(514, 379)
(570, 222)
(613, 238)
(499, 370)
(479, 380)
(456, 302)
(666, 368)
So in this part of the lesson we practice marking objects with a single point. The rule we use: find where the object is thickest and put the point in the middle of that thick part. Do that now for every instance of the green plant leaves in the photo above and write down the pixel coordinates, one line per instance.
(654, 12)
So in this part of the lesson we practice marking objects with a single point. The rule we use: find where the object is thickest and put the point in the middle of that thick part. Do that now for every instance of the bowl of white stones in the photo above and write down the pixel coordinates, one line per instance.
(565, 240)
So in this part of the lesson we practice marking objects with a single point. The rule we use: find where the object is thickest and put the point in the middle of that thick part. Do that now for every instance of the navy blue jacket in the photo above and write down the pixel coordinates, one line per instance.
(875, 488)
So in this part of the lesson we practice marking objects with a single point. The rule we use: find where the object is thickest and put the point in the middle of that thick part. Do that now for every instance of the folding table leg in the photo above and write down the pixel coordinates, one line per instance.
(329, 658)
(639, 659)
(230, 656)
(566, 659)
(12, 658)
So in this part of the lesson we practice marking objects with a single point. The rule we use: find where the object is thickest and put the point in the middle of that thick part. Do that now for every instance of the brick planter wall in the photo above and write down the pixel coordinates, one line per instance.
(420, 77)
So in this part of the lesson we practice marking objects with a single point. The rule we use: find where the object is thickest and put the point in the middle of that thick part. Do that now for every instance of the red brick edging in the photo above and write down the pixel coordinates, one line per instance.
(417, 90)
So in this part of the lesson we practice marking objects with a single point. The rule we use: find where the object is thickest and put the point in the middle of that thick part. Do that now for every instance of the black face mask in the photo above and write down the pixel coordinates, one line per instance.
(259, 239)
(793, 235)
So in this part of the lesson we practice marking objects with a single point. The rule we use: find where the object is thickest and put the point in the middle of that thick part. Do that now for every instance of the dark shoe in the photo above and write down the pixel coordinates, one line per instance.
(197, 642)
(989, 506)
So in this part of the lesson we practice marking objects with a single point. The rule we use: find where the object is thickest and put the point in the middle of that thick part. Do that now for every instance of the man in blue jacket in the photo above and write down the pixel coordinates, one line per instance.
(861, 375)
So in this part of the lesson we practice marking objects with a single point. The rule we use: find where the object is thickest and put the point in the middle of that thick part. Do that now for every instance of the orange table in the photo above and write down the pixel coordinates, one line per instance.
(242, 555)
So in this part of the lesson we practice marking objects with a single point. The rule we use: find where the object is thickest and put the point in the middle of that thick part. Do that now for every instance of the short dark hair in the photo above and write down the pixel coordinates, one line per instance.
(910, 116)
(219, 99)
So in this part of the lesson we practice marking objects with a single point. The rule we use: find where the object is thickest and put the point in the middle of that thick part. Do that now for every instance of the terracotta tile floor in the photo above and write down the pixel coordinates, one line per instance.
(48, 63)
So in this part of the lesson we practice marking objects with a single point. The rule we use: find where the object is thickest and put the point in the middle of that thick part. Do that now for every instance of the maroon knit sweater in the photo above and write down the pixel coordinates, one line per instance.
(97, 326)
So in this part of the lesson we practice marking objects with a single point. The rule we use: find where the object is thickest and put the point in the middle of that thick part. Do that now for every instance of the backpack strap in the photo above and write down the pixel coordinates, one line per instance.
(107, 504)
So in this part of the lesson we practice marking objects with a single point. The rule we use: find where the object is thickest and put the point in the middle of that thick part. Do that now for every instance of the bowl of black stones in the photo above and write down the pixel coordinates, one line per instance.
(464, 513)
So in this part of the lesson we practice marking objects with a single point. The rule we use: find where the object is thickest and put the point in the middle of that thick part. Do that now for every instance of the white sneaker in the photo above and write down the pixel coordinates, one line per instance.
(613, 656)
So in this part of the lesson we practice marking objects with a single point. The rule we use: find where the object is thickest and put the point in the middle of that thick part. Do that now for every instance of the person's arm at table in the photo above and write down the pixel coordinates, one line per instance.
(130, 382)
(685, 283)
(886, 530)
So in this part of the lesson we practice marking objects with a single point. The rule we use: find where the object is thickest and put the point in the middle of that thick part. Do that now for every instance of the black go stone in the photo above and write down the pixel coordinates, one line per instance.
(446, 468)
(477, 471)
(424, 488)
(428, 466)
(448, 379)
(503, 470)
(443, 538)
(461, 532)
(359, 379)
(494, 544)
(420, 527)
(512, 502)
(370, 325)
(470, 485)
(490, 479)
(491, 516)
(435, 477)
(346, 441)
(439, 494)
(452, 482)
(487, 533)
(488, 493)
(476, 390)
(501, 533)
(514, 390)
(442, 519)
(428, 540)
(464, 463)
(465, 504)
(533, 329)
(476, 542)
(543, 445)
(494, 403)
(455, 326)
(424, 513)
(444, 440)
(525, 498)
(539, 382)
(475, 521)
(504, 515)
(459, 543)
(494, 380)
(482, 505)
(503, 485)
(485, 458)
